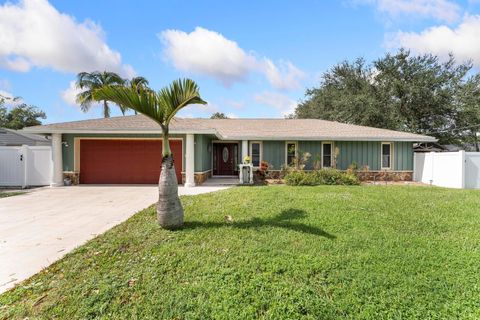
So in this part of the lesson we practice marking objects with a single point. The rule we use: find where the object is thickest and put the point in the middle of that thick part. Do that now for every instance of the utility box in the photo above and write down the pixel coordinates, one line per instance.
(245, 173)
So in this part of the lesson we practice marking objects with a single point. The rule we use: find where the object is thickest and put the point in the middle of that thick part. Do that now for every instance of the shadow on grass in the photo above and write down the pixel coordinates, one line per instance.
(282, 220)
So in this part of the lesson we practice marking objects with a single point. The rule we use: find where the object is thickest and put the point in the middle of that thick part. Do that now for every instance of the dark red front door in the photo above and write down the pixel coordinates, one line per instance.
(224, 163)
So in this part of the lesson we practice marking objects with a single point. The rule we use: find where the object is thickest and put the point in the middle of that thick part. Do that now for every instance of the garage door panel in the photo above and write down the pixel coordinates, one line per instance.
(125, 161)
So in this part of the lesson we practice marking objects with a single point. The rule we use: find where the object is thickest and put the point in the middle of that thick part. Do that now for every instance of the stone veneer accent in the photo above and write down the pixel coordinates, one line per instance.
(74, 176)
(385, 175)
(200, 178)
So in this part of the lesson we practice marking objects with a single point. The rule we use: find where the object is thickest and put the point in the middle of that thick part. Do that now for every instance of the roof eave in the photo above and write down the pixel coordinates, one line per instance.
(333, 138)
(119, 131)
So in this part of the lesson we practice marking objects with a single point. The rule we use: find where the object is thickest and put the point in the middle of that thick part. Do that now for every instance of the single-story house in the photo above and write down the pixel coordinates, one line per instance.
(127, 149)
(15, 138)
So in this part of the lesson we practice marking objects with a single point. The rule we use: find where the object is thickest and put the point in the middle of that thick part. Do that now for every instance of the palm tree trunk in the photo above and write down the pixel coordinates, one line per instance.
(106, 109)
(169, 208)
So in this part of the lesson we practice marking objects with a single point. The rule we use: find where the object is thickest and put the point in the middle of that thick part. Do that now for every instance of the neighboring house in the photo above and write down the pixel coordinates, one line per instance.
(128, 149)
(10, 138)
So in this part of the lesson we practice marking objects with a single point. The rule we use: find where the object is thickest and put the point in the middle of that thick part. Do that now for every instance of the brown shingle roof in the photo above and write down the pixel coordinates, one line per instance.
(236, 129)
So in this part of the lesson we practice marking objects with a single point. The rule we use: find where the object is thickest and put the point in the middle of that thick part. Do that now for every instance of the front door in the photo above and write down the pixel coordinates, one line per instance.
(224, 163)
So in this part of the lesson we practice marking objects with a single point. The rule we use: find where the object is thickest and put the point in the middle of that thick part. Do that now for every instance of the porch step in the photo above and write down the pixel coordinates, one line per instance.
(220, 181)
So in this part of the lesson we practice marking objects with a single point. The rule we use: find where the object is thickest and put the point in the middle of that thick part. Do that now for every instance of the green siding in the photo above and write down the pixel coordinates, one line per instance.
(274, 153)
(314, 148)
(403, 156)
(203, 153)
(361, 152)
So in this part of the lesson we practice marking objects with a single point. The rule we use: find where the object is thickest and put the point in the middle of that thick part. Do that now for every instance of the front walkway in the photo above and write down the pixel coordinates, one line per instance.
(43, 225)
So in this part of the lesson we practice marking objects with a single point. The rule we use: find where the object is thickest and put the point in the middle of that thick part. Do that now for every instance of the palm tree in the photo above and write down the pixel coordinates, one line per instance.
(161, 107)
(89, 82)
(135, 83)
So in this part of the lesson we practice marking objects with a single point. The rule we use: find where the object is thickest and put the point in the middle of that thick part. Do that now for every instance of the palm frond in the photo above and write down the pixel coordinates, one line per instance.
(142, 101)
(177, 95)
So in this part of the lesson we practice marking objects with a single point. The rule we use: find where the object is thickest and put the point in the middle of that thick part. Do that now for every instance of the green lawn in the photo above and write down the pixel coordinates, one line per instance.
(365, 252)
(4, 194)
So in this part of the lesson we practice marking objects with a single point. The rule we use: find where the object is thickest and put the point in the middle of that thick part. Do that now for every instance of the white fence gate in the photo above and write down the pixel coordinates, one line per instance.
(25, 166)
(448, 169)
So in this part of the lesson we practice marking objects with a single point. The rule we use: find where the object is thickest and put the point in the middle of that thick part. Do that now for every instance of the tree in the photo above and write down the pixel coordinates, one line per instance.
(398, 91)
(467, 125)
(89, 82)
(135, 83)
(20, 116)
(161, 107)
(218, 115)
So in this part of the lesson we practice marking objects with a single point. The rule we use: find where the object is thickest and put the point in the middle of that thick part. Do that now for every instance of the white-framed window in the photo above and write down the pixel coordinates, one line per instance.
(327, 154)
(291, 150)
(256, 153)
(386, 158)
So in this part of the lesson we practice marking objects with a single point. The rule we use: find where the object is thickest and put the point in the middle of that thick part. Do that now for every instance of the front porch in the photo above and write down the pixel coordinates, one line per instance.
(215, 162)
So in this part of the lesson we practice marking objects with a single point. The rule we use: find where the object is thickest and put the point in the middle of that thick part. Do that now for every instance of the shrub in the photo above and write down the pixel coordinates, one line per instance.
(318, 177)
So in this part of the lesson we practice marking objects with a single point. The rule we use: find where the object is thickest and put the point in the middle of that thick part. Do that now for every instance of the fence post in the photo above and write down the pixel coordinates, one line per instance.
(463, 160)
(24, 159)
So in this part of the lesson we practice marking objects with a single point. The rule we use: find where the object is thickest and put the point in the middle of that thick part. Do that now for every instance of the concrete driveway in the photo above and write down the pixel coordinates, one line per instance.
(41, 226)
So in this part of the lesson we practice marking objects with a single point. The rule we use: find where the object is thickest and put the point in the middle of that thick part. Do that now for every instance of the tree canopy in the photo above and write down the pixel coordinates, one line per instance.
(20, 116)
(401, 91)
(218, 115)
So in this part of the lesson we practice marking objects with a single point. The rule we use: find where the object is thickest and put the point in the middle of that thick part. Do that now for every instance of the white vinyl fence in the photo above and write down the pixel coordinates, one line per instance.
(25, 166)
(448, 169)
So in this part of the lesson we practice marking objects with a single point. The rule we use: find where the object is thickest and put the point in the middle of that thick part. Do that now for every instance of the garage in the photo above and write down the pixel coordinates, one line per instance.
(125, 161)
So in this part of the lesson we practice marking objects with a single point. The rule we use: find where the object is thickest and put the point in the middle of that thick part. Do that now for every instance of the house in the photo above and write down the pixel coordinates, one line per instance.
(13, 138)
(127, 150)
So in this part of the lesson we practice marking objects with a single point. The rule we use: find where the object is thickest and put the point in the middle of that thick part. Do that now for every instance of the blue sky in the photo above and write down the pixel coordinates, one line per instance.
(250, 58)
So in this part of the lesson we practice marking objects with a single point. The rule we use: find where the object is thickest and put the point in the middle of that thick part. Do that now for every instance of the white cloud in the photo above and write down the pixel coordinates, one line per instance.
(198, 109)
(209, 53)
(282, 103)
(234, 104)
(34, 34)
(69, 95)
(10, 100)
(462, 41)
(443, 10)
(232, 116)
(286, 77)
(5, 85)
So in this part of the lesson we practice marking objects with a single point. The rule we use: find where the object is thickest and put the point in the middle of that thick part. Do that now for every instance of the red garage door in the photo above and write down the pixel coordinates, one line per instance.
(125, 161)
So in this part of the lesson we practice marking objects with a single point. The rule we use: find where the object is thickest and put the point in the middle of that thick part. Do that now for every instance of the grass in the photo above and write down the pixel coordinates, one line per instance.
(327, 252)
(4, 194)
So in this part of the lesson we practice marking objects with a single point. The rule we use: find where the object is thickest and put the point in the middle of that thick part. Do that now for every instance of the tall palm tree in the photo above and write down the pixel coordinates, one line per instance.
(161, 107)
(89, 82)
(135, 83)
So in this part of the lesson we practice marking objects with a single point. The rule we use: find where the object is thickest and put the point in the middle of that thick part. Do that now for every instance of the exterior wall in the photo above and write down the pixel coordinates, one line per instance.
(203, 153)
(274, 153)
(403, 156)
(363, 153)
(312, 147)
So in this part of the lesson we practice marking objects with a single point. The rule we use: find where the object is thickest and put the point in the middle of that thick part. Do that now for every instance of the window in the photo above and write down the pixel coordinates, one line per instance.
(291, 153)
(255, 153)
(326, 154)
(386, 155)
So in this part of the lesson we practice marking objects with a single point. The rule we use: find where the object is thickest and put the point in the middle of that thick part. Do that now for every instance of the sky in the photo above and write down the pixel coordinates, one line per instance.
(249, 58)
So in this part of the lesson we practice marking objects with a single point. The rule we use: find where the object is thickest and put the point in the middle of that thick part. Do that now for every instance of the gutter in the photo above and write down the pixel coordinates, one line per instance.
(221, 137)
